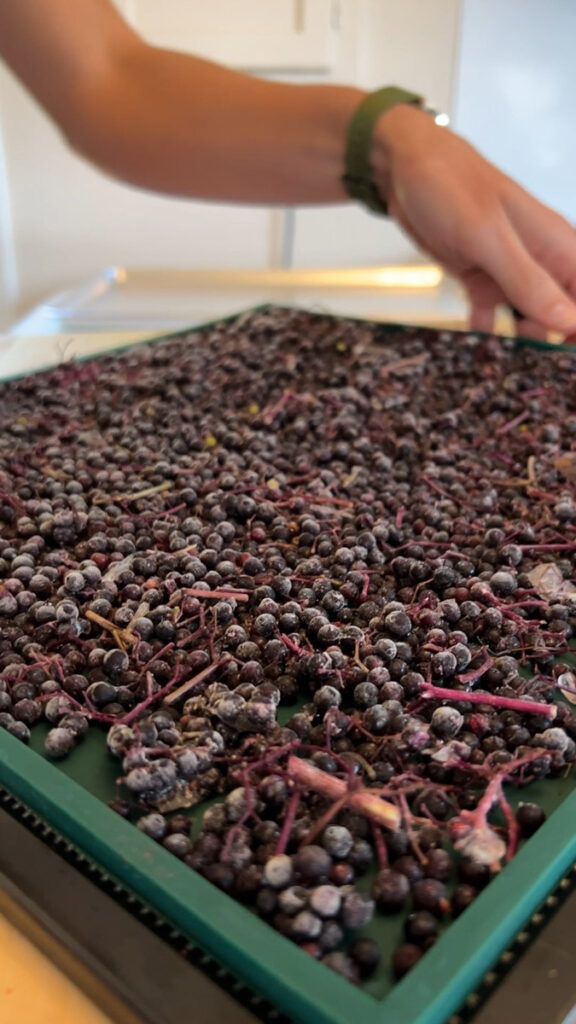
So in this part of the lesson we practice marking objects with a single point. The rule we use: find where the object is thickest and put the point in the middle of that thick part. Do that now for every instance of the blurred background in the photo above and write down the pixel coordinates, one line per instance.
(505, 72)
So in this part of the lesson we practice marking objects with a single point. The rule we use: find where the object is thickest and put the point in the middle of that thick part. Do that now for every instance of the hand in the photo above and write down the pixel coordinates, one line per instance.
(503, 245)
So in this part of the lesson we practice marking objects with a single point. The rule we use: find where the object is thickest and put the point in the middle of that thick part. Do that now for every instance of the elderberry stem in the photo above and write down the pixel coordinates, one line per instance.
(547, 547)
(432, 692)
(512, 824)
(475, 673)
(289, 817)
(199, 678)
(132, 715)
(323, 822)
(223, 593)
(292, 646)
(362, 800)
(381, 850)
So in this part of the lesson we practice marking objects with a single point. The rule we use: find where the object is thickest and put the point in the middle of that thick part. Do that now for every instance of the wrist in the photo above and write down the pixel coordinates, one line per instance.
(368, 151)
(398, 132)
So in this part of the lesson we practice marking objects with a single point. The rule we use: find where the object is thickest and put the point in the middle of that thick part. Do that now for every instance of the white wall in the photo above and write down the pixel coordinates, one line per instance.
(516, 92)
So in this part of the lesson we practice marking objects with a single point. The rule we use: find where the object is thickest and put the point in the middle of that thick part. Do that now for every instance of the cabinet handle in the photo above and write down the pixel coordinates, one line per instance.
(299, 15)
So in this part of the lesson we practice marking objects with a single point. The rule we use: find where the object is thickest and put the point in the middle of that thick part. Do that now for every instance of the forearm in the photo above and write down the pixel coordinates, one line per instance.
(171, 122)
(177, 124)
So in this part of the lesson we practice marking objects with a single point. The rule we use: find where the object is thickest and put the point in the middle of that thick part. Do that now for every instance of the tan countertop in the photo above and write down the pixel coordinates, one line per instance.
(41, 983)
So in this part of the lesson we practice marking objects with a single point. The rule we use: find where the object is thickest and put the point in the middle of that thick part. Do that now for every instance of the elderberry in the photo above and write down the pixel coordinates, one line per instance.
(530, 817)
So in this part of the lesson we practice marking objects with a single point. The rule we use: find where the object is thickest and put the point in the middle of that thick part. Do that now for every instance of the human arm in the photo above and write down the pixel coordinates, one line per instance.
(177, 124)
(172, 122)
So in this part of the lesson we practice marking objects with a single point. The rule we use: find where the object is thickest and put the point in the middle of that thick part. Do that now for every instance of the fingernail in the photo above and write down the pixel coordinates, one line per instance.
(563, 317)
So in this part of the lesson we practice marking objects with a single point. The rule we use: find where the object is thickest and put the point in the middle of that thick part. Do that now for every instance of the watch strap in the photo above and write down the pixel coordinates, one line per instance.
(357, 178)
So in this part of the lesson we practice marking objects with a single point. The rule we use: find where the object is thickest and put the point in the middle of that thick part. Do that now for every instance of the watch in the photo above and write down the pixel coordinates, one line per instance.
(357, 178)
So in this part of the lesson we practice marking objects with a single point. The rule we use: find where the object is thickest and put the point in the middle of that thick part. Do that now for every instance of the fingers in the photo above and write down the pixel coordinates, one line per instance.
(482, 319)
(548, 236)
(524, 282)
(530, 328)
(484, 295)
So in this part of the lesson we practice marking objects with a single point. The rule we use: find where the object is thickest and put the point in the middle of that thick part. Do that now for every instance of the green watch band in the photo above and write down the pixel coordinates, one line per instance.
(357, 179)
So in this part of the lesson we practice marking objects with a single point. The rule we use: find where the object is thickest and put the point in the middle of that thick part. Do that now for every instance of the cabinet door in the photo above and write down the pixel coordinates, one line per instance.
(276, 35)
(413, 43)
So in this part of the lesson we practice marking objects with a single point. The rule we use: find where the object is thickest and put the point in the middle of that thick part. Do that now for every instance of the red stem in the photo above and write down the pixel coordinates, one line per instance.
(194, 681)
(289, 817)
(146, 703)
(362, 800)
(523, 706)
(381, 851)
(512, 423)
(513, 826)
(475, 673)
(191, 636)
(269, 414)
(223, 593)
(440, 490)
(547, 547)
(325, 820)
(292, 646)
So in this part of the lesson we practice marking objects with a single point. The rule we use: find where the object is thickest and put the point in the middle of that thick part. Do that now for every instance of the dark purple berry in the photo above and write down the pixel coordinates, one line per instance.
(312, 864)
(390, 890)
(342, 965)
(278, 871)
(59, 742)
(430, 894)
(438, 864)
(405, 958)
(529, 817)
(366, 955)
(462, 897)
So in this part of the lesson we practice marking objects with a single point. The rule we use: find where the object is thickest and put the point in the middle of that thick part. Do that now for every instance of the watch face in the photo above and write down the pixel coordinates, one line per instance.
(440, 117)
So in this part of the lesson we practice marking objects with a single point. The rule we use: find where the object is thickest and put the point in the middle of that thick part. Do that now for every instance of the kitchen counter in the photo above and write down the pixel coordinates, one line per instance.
(33, 990)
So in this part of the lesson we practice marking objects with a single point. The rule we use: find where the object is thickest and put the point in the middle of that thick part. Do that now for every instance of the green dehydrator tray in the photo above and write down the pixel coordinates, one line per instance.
(260, 957)
(72, 797)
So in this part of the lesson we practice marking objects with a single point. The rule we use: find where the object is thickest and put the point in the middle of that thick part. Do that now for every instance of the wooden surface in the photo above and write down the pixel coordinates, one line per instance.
(33, 990)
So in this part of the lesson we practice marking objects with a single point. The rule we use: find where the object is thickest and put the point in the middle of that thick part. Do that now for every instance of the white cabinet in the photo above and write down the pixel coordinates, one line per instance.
(275, 35)
(412, 43)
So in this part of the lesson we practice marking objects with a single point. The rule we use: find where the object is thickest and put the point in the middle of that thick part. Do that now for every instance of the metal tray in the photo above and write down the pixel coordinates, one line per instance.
(72, 798)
